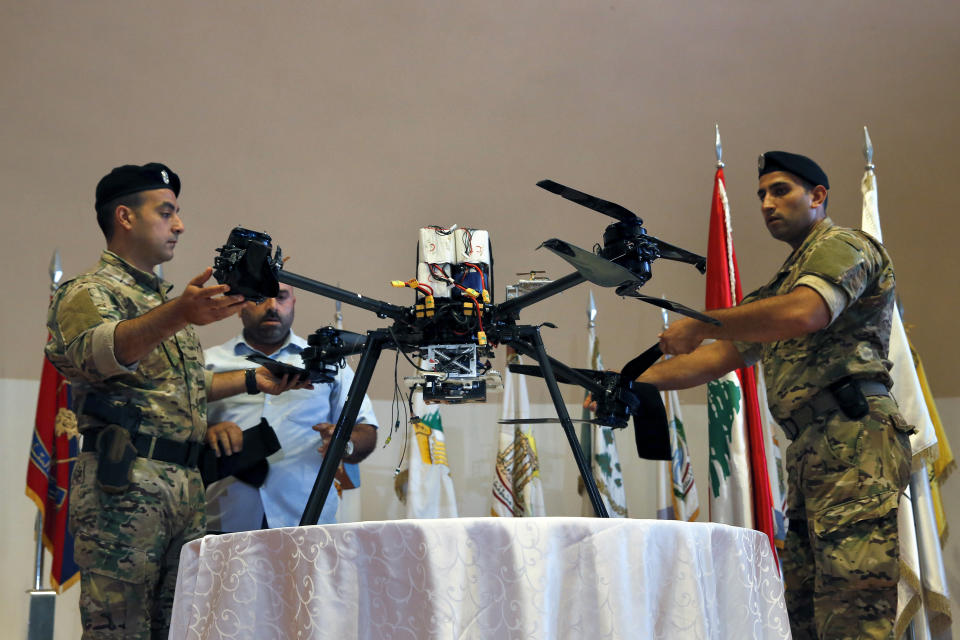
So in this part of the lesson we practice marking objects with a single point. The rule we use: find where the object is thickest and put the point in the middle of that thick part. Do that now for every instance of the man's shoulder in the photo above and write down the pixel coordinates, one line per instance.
(222, 356)
(855, 238)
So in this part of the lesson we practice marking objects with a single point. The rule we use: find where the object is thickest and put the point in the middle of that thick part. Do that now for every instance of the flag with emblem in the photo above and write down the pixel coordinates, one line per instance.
(598, 442)
(677, 491)
(53, 451)
(923, 588)
(739, 480)
(426, 486)
(517, 486)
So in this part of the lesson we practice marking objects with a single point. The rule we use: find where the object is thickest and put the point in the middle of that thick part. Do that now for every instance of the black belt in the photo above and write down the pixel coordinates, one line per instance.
(824, 402)
(185, 454)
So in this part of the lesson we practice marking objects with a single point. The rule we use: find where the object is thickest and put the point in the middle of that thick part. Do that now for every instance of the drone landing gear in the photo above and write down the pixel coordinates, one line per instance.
(527, 341)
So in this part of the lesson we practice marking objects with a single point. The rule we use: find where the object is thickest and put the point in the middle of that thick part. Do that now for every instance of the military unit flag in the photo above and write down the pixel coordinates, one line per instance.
(53, 450)
(427, 488)
(598, 442)
(678, 493)
(923, 586)
(517, 487)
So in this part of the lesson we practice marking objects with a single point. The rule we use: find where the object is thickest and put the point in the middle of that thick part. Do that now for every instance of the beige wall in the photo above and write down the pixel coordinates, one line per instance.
(340, 128)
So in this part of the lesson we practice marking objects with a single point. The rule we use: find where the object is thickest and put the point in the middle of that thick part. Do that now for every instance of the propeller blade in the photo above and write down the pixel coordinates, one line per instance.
(641, 363)
(673, 252)
(597, 270)
(535, 370)
(605, 207)
(650, 429)
(628, 292)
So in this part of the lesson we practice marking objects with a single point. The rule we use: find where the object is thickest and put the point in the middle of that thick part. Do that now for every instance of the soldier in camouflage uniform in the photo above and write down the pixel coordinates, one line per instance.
(821, 327)
(141, 390)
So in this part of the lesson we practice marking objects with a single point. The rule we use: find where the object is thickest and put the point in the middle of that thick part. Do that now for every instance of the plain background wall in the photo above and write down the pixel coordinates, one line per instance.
(340, 128)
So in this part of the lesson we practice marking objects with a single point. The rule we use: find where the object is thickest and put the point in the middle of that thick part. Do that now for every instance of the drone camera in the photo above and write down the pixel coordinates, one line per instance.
(328, 349)
(245, 264)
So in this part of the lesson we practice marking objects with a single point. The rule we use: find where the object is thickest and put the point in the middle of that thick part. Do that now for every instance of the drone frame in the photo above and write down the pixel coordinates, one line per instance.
(256, 275)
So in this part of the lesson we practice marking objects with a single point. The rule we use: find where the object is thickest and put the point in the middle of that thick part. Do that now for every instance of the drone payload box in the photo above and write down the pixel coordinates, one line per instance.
(450, 257)
(454, 275)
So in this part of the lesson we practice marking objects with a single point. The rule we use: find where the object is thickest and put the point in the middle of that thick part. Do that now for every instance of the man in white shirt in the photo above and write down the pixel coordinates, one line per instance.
(303, 419)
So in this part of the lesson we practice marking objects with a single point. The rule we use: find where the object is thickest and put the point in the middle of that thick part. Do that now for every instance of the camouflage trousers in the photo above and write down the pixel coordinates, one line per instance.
(128, 546)
(845, 481)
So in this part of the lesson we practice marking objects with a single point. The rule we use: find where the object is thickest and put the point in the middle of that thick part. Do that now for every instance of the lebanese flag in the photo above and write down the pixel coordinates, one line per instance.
(740, 485)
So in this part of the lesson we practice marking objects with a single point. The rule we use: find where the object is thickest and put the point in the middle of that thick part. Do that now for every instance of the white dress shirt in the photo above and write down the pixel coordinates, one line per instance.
(233, 505)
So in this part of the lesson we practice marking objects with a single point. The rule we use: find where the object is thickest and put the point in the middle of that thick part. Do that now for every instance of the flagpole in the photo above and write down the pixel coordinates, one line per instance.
(43, 601)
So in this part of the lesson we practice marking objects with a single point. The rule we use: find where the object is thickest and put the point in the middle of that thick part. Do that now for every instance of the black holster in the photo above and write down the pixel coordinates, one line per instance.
(115, 449)
(850, 398)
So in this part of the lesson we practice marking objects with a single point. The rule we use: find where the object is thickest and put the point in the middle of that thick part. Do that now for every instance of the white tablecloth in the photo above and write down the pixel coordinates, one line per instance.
(482, 578)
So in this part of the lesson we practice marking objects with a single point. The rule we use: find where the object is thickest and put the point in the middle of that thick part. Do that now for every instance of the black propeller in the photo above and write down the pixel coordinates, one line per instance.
(597, 270)
(629, 291)
(605, 207)
(639, 400)
(624, 261)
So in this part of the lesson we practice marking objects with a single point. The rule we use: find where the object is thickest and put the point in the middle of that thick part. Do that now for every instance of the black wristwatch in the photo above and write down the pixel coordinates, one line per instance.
(250, 380)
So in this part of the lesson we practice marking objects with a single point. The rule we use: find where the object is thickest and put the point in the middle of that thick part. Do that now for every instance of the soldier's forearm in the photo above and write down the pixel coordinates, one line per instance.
(134, 339)
(702, 365)
(800, 312)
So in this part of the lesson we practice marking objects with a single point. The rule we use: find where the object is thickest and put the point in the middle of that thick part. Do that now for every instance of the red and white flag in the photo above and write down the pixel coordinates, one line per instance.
(739, 482)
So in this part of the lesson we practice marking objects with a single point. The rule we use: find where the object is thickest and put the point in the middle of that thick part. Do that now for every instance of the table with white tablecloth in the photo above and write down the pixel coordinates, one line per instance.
(482, 578)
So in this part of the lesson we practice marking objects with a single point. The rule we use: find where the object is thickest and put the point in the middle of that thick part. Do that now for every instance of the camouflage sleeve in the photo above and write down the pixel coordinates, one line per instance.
(82, 321)
(845, 260)
(835, 297)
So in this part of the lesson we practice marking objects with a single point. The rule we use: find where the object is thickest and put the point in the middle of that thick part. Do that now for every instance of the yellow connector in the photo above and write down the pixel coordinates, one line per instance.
(486, 296)
(428, 302)
(398, 283)
(471, 292)
(481, 338)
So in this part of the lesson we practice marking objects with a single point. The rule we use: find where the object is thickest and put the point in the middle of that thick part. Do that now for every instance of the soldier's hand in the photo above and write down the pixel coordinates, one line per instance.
(202, 305)
(683, 336)
(225, 438)
(269, 383)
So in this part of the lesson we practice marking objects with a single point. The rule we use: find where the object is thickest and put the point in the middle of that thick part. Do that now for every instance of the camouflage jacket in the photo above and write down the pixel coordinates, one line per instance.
(854, 344)
(168, 385)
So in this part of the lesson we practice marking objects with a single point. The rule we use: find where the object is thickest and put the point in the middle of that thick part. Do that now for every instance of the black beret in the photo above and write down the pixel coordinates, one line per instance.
(800, 166)
(131, 178)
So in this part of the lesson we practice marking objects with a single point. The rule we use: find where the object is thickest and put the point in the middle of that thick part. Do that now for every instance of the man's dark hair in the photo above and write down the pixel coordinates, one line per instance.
(106, 210)
(808, 187)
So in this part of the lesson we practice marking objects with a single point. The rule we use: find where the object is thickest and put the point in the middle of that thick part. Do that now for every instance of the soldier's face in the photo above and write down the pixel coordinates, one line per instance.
(269, 322)
(789, 209)
(155, 226)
